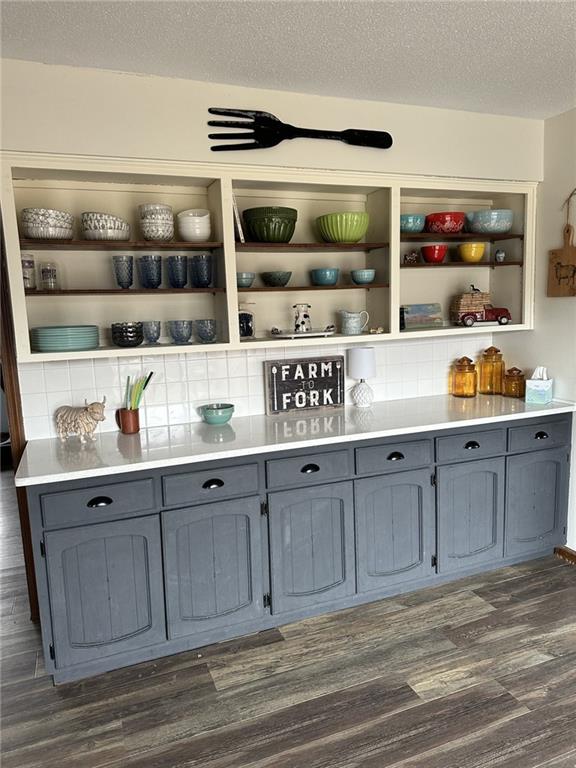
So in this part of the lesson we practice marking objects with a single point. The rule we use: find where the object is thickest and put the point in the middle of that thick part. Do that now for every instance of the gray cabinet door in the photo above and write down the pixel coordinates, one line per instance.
(311, 546)
(470, 514)
(106, 592)
(213, 561)
(395, 530)
(536, 500)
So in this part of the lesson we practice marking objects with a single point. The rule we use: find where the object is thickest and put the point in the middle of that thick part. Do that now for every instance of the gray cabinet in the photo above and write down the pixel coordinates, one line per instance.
(395, 530)
(536, 500)
(106, 594)
(311, 546)
(213, 565)
(470, 514)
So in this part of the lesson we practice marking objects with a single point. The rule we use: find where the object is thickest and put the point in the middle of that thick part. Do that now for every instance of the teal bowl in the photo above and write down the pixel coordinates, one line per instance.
(217, 413)
(412, 222)
(363, 276)
(245, 279)
(325, 276)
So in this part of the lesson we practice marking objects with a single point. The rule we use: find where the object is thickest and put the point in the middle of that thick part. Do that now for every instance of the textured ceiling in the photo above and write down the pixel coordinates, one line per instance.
(498, 56)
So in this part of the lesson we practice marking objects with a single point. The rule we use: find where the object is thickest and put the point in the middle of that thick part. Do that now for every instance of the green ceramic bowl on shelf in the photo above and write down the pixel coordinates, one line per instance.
(271, 224)
(217, 413)
(346, 227)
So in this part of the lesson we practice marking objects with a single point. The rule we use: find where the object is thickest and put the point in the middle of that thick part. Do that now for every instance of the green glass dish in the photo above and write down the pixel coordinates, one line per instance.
(270, 229)
(271, 210)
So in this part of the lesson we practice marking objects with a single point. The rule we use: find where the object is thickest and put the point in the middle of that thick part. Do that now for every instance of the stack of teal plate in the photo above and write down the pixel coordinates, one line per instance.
(64, 338)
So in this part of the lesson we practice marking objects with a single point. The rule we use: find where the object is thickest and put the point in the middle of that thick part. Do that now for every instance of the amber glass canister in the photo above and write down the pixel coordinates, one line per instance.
(464, 378)
(491, 372)
(514, 383)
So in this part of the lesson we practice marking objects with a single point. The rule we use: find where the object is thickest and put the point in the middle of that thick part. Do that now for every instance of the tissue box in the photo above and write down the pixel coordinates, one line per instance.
(539, 391)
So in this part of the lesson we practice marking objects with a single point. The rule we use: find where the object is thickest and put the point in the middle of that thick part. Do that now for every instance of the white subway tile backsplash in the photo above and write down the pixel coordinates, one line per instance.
(183, 382)
(217, 368)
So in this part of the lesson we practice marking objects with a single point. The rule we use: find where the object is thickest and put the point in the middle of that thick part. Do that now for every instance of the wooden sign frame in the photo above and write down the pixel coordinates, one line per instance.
(562, 267)
(304, 384)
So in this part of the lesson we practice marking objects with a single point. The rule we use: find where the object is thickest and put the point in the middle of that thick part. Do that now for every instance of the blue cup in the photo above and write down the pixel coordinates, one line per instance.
(180, 331)
(150, 270)
(151, 330)
(177, 271)
(201, 270)
(206, 331)
(123, 270)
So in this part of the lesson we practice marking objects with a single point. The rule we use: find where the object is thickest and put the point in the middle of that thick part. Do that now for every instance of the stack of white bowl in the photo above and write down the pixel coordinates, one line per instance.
(156, 222)
(46, 224)
(194, 225)
(104, 226)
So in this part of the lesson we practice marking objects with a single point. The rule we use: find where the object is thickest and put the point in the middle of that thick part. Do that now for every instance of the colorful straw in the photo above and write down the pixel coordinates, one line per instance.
(135, 391)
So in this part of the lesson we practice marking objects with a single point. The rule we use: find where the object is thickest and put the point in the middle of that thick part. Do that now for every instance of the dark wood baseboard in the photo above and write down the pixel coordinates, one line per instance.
(566, 554)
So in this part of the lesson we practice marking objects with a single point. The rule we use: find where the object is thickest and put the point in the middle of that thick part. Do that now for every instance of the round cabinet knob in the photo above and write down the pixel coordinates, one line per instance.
(472, 445)
(395, 456)
(99, 501)
(541, 435)
(309, 469)
(214, 483)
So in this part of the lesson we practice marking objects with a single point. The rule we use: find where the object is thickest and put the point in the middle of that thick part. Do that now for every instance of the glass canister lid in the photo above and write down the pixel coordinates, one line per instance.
(514, 373)
(464, 364)
(492, 353)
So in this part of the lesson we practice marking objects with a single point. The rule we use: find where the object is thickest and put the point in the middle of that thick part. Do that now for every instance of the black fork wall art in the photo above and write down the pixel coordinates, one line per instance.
(259, 130)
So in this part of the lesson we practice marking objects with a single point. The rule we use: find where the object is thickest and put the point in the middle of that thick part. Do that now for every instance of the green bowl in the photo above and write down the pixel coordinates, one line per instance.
(271, 210)
(276, 279)
(347, 227)
(270, 229)
(217, 413)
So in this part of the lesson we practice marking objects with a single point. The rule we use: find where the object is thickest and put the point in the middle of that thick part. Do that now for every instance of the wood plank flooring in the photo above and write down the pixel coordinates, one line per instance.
(480, 673)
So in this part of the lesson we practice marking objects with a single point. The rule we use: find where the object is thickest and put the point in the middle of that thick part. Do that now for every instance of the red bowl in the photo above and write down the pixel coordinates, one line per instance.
(434, 254)
(448, 222)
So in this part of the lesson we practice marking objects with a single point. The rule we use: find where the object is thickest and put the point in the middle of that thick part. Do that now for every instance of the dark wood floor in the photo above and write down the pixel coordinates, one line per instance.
(478, 673)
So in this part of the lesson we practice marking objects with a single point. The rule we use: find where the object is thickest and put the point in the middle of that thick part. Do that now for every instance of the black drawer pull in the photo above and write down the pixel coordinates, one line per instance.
(99, 501)
(472, 445)
(395, 456)
(541, 435)
(309, 469)
(214, 483)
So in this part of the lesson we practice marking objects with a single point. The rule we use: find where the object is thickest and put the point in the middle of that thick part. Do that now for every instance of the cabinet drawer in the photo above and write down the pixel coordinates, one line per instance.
(209, 485)
(544, 434)
(393, 457)
(313, 468)
(471, 445)
(98, 503)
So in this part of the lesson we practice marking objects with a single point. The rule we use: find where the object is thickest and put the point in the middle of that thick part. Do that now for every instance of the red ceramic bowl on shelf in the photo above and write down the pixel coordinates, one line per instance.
(434, 254)
(448, 222)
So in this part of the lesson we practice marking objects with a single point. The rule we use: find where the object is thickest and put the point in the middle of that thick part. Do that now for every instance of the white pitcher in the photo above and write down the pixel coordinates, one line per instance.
(352, 323)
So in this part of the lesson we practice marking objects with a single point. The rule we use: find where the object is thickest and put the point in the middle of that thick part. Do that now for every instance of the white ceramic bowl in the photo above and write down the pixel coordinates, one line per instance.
(151, 209)
(195, 213)
(45, 232)
(48, 217)
(160, 231)
(106, 234)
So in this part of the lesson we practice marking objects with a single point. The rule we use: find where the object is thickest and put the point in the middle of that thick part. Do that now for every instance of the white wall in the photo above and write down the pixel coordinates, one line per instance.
(553, 342)
(96, 112)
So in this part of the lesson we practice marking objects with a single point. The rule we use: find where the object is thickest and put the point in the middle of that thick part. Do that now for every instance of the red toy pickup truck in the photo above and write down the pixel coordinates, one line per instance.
(485, 315)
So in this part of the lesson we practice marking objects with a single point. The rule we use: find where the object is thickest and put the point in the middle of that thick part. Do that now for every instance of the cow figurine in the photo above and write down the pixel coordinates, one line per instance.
(302, 322)
(80, 421)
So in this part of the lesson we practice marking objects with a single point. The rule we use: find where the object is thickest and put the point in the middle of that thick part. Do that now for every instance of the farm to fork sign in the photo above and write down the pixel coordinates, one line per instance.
(295, 385)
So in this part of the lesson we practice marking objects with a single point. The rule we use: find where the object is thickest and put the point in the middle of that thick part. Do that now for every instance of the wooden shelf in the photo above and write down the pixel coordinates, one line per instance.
(313, 288)
(121, 291)
(309, 246)
(439, 237)
(490, 264)
(115, 245)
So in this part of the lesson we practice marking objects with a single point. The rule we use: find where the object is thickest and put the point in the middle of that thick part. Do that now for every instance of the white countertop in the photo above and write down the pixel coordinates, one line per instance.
(50, 461)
